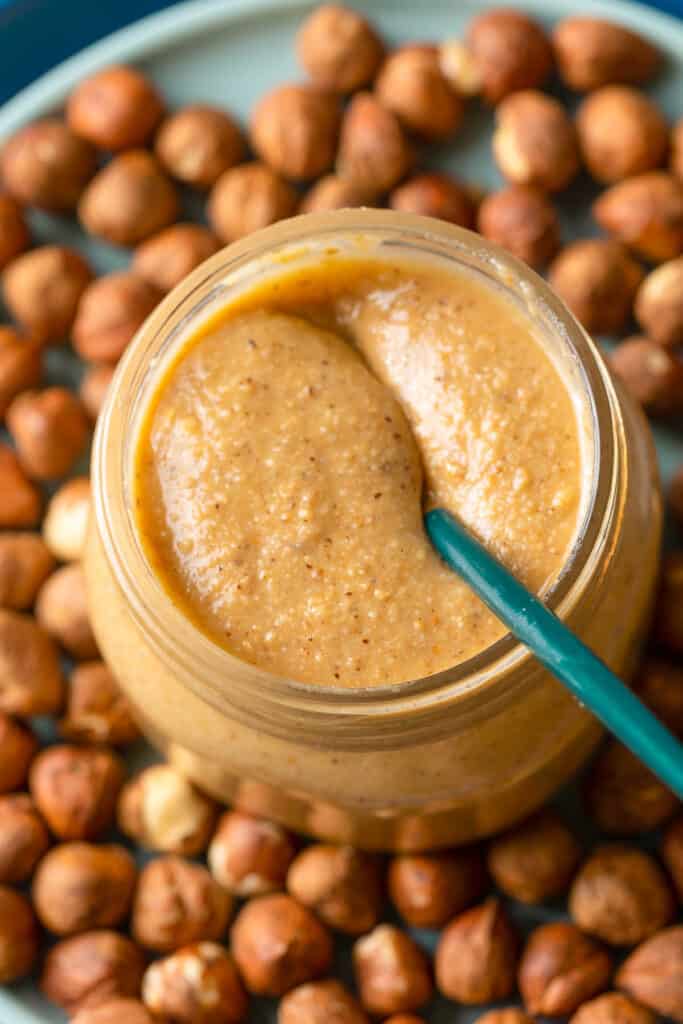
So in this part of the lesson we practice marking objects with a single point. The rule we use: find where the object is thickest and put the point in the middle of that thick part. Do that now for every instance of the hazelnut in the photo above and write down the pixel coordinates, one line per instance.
(21, 500)
(75, 789)
(18, 746)
(50, 430)
(653, 973)
(21, 366)
(534, 861)
(535, 142)
(672, 852)
(623, 796)
(198, 984)
(42, 287)
(621, 133)
(14, 234)
(524, 221)
(510, 51)
(18, 936)
(115, 1011)
(560, 969)
(23, 838)
(659, 304)
(434, 195)
(94, 387)
(339, 48)
(25, 563)
(46, 165)
(341, 884)
(331, 193)
(198, 143)
(115, 108)
(404, 1018)
(79, 886)
(612, 1008)
(30, 676)
(279, 944)
(109, 314)
(428, 889)
(247, 198)
(659, 684)
(294, 130)
(592, 52)
(90, 969)
(653, 376)
(177, 903)
(392, 972)
(62, 610)
(96, 710)
(506, 1015)
(373, 151)
(162, 810)
(476, 956)
(675, 162)
(66, 520)
(646, 213)
(165, 259)
(598, 280)
(250, 856)
(668, 617)
(459, 68)
(412, 85)
(128, 200)
(320, 1002)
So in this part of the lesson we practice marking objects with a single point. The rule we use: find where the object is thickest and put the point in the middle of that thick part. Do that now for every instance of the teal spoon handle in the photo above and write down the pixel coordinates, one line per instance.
(559, 649)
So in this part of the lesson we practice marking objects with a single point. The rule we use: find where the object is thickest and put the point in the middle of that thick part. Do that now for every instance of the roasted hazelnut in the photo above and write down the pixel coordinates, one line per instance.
(115, 108)
(653, 973)
(18, 746)
(128, 200)
(668, 617)
(94, 387)
(621, 133)
(331, 193)
(612, 1008)
(198, 984)
(198, 143)
(247, 198)
(25, 563)
(592, 52)
(535, 142)
(506, 1015)
(50, 430)
(343, 885)
(598, 280)
(476, 956)
(623, 796)
(177, 903)
(459, 68)
(659, 304)
(534, 861)
(320, 1002)
(75, 789)
(392, 972)
(659, 684)
(30, 676)
(21, 500)
(339, 48)
(279, 944)
(373, 152)
(434, 195)
(560, 969)
(250, 856)
(96, 709)
(524, 221)
(115, 1011)
(109, 314)
(294, 130)
(646, 213)
(412, 85)
(21, 366)
(675, 161)
(66, 520)
(62, 610)
(653, 376)
(44, 164)
(510, 51)
(162, 810)
(19, 941)
(23, 838)
(14, 234)
(90, 969)
(165, 259)
(79, 886)
(672, 853)
(428, 889)
(42, 287)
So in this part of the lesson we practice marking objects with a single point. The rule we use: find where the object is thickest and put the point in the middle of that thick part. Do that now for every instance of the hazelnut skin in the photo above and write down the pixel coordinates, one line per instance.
(115, 1011)
(331, 193)
(341, 884)
(21, 366)
(41, 289)
(653, 376)
(19, 746)
(560, 969)
(524, 221)
(62, 610)
(94, 387)
(50, 430)
(96, 709)
(659, 304)
(320, 1002)
(44, 164)
(392, 972)
(675, 161)
(198, 984)
(14, 233)
(115, 108)
(25, 564)
(621, 133)
(167, 258)
(672, 853)
(19, 941)
(90, 969)
(23, 838)
(659, 683)
(428, 889)
(250, 856)
(476, 956)
(294, 130)
(668, 617)
(510, 51)
(598, 280)
(31, 680)
(645, 213)
(21, 500)
(128, 200)
(75, 789)
(109, 314)
(534, 861)
(373, 152)
(623, 796)
(198, 143)
(247, 198)
(434, 195)
(592, 52)
(612, 1008)
(652, 973)
(162, 810)
(339, 48)
(412, 85)
(535, 142)
(66, 520)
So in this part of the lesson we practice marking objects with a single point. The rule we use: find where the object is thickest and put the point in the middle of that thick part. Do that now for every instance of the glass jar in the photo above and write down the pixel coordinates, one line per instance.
(431, 762)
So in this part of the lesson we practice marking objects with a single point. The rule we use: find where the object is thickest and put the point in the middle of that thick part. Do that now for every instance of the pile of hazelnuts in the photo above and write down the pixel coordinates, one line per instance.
(231, 907)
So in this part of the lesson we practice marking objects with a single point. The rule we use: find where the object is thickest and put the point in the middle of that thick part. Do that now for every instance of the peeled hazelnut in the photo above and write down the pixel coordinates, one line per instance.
(534, 861)
(459, 68)
(341, 884)
(339, 48)
(279, 944)
(373, 151)
(165, 259)
(115, 1011)
(177, 903)
(510, 51)
(247, 198)
(23, 838)
(50, 430)
(659, 304)
(476, 956)
(621, 133)
(90, 969)
(320, 1002)
(560, 969)
(672, 853)
(653, 376)
(392, 972)
(668, 617)
(294, 130)
(653, 973)
(434, 195)
(42, 287)
(659, 684)
(21, 366)
(14, 234)
(675, 161)
(412, 85)
(198, 984)
(66, 520)
(79, 886)
(331, 193)
(75, 789)
(25, 563)
(598, 280)
(506, 1015)
(96, 710)
(109, 314)
(115, 108)
(524, 221)
(30, 675)
(623, 796)
(18, 746)
(250, 856)
(198, 143)
(128, 200)
(44, 164)
(592, 52)
(162, 810)
(612, 1008)
(535, 142)
(428, 889)
(62, 610)
(19, 941)
(646, 213)
(94, 387)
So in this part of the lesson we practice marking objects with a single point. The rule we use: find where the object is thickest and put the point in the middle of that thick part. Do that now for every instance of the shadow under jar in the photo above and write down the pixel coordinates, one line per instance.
(430, 762)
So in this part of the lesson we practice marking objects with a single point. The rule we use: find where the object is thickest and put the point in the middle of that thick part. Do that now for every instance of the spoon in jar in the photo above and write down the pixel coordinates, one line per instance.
(556, 647)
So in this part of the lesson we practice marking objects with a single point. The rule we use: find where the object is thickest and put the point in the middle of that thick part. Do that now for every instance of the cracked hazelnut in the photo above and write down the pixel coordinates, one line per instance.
(247, 198)
(341, 884)
(25, 564)
(392, 972)
(535, 142)
(42, 287)
(294, 130)
(510, 51)
(115, 1011)
(115, 108)
(459, 68)
(19, 941)
(592, 52)
(128, 200)
(598, 280)
(94, 387)
(18, 746)
(21, 500)
(14, 233)
(331, 193)
(534, 861)
(434, 195)
(198, 984)
(672, 853)
(373, 151)
(80, 886)
(21, 365)
(646, 213)
(109, 314)
(612, 1008)
(167, 258)
(23, 838)
(30, 675)
(621, 133)
(623, 796)
(162, 810)
(653, 973)
(339, 48)
(198, 143)
(50, 430)
(44, 164)
(62, 610)
(653, 376)
(75, 789)
(506, 1015)
(279, 944)
(412, 85)
(90, 969)
(96, 709)
(675, 160)
(428, 889)
(476, 956)
(320, 1002)
(250, 856)
(524, 221)
(659, 684)
(659, 303)
(668, 617)
(66, 520)
(560, 969)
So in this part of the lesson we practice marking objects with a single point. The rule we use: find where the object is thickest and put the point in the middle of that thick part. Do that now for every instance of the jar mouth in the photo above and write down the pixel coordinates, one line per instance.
(194, 657)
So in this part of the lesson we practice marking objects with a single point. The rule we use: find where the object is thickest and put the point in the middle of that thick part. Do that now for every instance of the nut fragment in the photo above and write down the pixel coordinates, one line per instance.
(476, 956)
(23, 838)
(320, 1002)
(560, 969)
(162, 810)
(653, 973)
(623, 796)
(339, 48)
(250, 856)
(672, 853)
(392, 972)
(110, 312)
(96, 710)
(373, 151)
(668, 617)
(198, 984)
(18, 746)
(66, 520)
(18, 936)
(50, 430)
(659, 684)
(592, 52)
(428, 889)
(247, 198)
(653, 376)
(128, 200)
(612, 1008)
(75, 789)
(524, 221)
(94, 387)
(621, 133)
(331, 193)
(412, 85)
(659, 303)
(90, 969)
(646, 213)
(598, 280)
(535, 860)
(198, 143)
(294, 130)
(165, 259)
(115, 1011)
(44, 164)
(25, 563)
(115, 108)
(21, 365)
(342, 884)
(535, 142)
(42, 287)
(510, 51)
(62, 610)
(14, 234)
(30, 676)
(434, 195)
